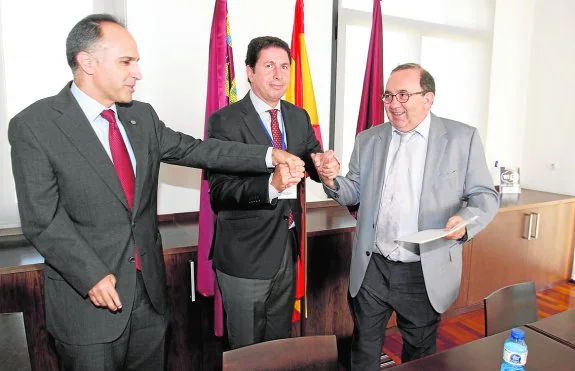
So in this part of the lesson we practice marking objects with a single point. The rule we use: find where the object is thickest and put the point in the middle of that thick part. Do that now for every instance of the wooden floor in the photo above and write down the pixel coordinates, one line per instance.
(467, 327)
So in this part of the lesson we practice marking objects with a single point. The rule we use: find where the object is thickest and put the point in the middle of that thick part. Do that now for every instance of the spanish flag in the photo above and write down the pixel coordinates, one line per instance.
(300, 93)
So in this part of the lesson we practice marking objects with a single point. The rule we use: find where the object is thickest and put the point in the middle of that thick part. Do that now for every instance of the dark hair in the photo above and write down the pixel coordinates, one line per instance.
(85, 34)
(426, 81)
(256, 45)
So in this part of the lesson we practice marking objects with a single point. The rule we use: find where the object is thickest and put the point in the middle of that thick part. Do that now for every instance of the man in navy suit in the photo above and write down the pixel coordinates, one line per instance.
(259, 216)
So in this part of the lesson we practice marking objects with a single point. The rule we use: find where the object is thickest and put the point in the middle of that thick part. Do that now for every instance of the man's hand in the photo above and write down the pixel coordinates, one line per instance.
(295, 164)
(327, 167)
(452, 222)
(104, 294)
(282, 178)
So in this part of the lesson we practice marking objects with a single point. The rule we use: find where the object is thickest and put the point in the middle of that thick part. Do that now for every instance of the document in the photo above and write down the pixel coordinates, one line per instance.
(434, 234)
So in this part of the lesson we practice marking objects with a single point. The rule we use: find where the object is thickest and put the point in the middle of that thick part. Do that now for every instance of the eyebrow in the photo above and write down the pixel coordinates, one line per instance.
(129, 58)
(399, 91)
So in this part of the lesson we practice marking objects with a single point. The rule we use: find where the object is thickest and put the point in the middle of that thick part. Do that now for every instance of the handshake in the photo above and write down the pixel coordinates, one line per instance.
(290, 169)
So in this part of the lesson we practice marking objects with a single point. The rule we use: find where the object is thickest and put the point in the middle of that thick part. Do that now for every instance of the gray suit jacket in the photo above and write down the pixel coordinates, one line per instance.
(74, 211)
(456, 181)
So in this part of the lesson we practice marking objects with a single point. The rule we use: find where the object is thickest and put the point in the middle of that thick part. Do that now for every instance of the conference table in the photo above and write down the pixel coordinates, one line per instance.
(545, 354)
(559, 327)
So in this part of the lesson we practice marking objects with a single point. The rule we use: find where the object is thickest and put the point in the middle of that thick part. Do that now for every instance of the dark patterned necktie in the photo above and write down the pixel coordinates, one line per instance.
(278, 141)
(122, 164)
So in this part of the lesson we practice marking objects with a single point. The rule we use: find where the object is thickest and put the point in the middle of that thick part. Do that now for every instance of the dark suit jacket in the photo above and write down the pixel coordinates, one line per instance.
(251, 233)
(74, 211)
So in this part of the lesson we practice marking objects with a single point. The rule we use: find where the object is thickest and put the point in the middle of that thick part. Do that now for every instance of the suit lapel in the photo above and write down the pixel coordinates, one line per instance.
(252, 120)
(75, 126)
(380, 151)
(139, 145)
(435, 151)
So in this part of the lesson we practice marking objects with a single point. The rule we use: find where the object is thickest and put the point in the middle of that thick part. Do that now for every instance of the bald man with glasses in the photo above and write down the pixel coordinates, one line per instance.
(417, 172)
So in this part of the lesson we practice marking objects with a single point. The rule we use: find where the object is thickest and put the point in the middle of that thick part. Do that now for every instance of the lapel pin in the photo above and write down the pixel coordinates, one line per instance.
(133, 122)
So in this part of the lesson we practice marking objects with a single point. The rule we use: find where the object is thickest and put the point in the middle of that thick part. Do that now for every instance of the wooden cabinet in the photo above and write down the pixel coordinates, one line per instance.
(551, 253)
(502, 254)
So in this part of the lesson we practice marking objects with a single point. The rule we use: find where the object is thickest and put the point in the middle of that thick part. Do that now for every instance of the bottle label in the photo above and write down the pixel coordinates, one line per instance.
(515, 358)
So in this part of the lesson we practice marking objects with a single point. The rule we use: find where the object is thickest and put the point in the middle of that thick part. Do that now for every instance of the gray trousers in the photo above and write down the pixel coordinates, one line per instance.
(140, 347)
(260, 310)
(387, 287)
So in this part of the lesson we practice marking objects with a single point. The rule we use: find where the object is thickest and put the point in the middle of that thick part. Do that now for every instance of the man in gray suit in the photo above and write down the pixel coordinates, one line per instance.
(417, 172)
(86, 165)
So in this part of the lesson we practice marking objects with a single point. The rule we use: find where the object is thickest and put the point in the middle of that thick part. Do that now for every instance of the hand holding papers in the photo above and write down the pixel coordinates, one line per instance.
(433, 234)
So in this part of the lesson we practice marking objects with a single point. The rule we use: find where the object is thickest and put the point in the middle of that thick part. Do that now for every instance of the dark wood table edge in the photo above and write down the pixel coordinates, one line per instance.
(551, 336)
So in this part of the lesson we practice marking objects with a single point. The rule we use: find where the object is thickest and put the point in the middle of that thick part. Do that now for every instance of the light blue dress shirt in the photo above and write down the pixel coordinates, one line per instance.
(417, 150)
(92, 109)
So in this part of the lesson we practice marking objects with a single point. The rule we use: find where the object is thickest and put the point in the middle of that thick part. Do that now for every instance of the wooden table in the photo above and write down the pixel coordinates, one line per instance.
(545, 354)
(559, 327)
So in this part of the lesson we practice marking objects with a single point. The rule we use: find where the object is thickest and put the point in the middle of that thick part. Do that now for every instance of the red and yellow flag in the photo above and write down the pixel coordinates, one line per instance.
(300, 92)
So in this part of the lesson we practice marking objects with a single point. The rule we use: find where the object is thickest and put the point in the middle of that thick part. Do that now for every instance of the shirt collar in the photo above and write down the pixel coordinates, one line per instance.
(261, 106)
(91, 107)
(423, 128)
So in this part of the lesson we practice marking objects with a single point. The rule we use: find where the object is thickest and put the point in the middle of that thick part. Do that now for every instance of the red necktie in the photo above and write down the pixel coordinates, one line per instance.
(122, 164)
(278, 143)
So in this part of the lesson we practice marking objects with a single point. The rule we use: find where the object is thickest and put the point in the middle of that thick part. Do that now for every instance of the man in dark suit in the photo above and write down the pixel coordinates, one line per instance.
(86, 165)
(258, 216)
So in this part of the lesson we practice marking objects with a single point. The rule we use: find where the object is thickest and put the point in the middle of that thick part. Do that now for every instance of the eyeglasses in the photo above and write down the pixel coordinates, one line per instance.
(402, 96)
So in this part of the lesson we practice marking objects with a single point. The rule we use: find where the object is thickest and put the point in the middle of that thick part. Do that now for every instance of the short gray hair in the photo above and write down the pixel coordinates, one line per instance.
(85, 34)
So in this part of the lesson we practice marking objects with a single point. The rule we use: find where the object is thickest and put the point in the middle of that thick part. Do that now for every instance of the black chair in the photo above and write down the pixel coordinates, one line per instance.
(509, 307)
(14, 354)
(299, 353)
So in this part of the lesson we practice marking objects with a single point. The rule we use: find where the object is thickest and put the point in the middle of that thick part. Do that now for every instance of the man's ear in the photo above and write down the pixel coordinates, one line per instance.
(249, 72)
(429, 98)
(86, 62)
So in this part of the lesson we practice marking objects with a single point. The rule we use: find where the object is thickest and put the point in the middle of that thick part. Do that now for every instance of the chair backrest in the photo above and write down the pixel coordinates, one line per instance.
(13, 346)
(509, 307)
(299, 353)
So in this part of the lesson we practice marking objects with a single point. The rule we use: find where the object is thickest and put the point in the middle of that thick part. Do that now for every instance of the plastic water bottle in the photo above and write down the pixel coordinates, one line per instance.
(514, 351)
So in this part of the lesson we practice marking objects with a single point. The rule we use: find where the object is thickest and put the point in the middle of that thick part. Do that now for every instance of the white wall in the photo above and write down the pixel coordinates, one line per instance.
(512, 33)
(173, 39)
(531, 118)
(530, 122)
(549, 133)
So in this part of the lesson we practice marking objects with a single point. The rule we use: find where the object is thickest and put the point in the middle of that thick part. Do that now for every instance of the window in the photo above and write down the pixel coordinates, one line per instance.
(450, 38)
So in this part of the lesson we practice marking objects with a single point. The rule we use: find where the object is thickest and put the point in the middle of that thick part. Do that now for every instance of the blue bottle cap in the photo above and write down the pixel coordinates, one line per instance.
(518, 334)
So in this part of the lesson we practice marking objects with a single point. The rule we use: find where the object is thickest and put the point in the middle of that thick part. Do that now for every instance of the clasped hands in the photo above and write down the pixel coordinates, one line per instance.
(290, 169)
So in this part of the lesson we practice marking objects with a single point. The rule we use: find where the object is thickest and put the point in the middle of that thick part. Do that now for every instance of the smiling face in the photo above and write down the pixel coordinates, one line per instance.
(110, 69)
(270, 76)
(407, 116)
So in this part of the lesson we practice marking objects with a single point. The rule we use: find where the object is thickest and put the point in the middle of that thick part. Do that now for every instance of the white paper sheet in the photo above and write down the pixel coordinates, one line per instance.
(433, 234)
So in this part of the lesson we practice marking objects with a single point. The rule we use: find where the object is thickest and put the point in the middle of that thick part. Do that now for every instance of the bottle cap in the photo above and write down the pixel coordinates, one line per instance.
(517, 334)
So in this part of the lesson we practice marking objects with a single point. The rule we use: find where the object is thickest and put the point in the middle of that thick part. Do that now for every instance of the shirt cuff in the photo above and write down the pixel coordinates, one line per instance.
(272, 192)
(269, 162)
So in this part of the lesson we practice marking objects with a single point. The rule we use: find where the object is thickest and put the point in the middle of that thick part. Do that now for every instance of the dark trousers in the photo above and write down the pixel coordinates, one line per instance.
(140, 347)
(387, 287)
(260, 310)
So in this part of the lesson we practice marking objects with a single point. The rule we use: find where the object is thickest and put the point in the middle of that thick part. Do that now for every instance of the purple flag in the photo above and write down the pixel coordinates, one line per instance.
(221, 92)
(371, 106)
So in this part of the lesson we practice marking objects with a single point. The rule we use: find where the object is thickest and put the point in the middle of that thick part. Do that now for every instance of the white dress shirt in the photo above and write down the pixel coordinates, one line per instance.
(92, 109)
(417, 150)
